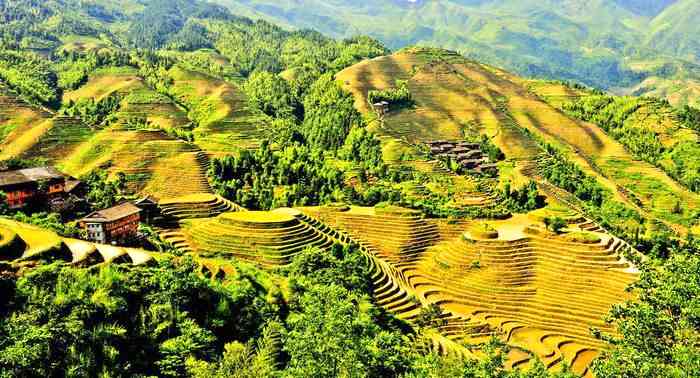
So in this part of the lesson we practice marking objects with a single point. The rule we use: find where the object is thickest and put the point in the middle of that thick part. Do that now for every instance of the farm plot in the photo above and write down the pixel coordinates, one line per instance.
(265, 238)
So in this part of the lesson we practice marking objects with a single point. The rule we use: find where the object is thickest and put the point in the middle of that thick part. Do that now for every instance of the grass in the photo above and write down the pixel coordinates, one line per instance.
(581, 237)
(552, 211)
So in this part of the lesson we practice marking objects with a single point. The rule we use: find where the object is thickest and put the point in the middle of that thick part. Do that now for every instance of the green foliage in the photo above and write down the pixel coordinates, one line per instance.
(272, 95)
(135, 321)
(524, 199)
(51, 221)
(363, 147)
(659, 334)
(398, 97)
(251, 178)
(690, 117)
(329, 115)
(92, 112)
(16, 163)
(566, 175)
(249, 360)
(102, 192)
(623, 118)
(165, 19)
(333, 329)
(29, 75)
(555, 224)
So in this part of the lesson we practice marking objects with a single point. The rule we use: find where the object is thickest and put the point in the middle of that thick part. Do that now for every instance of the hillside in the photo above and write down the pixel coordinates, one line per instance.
(602, 45)
(455, 96)
(320, 207)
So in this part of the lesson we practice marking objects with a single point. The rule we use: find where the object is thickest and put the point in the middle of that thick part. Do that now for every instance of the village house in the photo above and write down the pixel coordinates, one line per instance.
(26, 185)
(117, 224)
(381, 108)
(469, 146)
(149, 208)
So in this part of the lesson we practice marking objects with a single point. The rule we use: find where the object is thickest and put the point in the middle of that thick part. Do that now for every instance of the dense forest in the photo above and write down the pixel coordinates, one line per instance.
(315, 317)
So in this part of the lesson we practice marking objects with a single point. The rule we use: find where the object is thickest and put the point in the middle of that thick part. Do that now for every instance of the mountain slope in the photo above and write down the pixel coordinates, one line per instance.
(455, 96)
(592, 42)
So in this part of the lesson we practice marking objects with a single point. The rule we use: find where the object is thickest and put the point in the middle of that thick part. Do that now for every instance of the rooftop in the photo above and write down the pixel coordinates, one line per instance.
(23, 176)
(113, 213)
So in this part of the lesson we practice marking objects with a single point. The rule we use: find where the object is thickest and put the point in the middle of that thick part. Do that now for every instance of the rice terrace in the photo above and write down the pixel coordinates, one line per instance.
(215, 189)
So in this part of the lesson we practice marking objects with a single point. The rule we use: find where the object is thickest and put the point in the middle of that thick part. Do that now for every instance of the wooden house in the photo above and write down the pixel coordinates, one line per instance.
(26, 185)
(116, 224)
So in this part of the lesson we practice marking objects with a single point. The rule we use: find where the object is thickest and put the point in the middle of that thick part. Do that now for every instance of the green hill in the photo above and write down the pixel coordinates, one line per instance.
(594, 43)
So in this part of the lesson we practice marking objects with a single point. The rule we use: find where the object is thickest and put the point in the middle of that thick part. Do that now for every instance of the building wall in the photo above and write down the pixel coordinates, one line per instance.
(122, 228)
(19, 195)
(95, 232)
(116, 231)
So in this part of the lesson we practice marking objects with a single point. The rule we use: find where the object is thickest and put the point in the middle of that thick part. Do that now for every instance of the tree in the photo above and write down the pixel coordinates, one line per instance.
(329, 114)
(659, 334)
(555, 224)
(363, 147)
(272, 95)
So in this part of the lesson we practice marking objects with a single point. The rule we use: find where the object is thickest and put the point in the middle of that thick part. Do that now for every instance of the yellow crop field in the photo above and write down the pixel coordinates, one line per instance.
(453, 95)
(539, 291)
(102, 85)
(36, 243)
(225, 120)
(153, 162)
(265, 238)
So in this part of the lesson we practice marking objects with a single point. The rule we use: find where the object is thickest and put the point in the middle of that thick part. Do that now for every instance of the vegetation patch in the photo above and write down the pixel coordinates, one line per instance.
(481, 230)
(581, 237)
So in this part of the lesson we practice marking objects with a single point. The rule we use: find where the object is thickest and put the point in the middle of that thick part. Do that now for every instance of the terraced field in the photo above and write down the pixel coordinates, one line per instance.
(541, 292)
(121, 80)
(455, 96)
(225, 121)
(154, 162)
(25, 244)
(268, 239)
(157, 109)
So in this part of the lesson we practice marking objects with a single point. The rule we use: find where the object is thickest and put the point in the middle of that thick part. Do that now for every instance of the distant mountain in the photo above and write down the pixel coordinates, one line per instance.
(614, 45)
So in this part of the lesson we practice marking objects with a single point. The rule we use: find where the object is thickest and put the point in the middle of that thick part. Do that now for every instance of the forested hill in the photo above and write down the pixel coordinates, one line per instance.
(47, 47)
(640, 46)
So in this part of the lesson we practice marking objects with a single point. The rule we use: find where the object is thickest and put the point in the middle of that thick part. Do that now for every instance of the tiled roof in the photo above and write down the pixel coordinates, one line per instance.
(113, 213)
(29, 175)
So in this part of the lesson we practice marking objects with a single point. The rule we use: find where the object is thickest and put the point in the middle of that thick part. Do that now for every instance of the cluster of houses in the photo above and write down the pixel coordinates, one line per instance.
(467, 155)
(47, 186)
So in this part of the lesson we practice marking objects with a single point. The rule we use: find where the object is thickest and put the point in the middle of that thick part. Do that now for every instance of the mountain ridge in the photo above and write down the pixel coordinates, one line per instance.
(598, 43)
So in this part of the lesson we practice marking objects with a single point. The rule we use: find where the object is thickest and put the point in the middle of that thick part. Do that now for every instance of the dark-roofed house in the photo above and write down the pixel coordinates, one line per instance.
(114, 225)
(24, 185)
(381, 108)
(149, 208)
